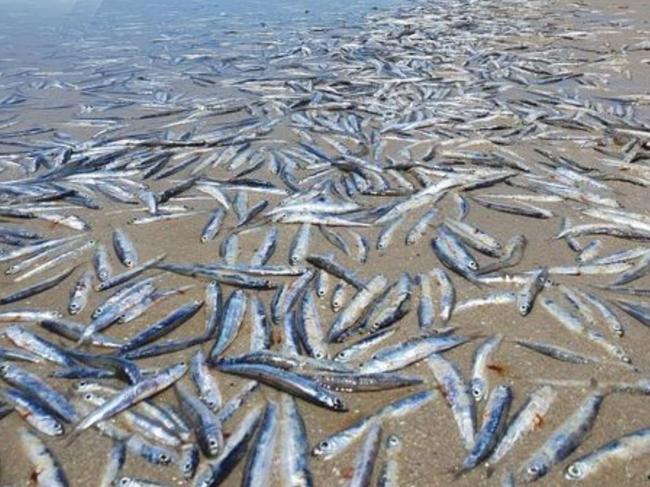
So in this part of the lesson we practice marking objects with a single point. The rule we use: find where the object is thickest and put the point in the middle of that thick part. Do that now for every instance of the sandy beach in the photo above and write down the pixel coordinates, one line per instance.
(548, 99)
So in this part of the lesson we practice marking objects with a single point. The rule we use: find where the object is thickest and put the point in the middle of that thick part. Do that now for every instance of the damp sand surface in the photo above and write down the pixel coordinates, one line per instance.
(162, 57)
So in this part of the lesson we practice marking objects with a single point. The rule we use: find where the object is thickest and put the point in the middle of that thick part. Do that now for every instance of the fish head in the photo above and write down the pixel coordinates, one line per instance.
(478, 389)
(533, 470)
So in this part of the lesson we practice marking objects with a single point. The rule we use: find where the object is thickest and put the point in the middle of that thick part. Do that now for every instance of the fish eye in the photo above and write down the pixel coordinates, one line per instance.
(393, 440)
(534, 469)
(164, 458)
(476, 392)
(338, 404)
(213, 442)
(125, 481)
(473, 265)
(342, 354)
(319, 355)
(574, 471)
(88, 396)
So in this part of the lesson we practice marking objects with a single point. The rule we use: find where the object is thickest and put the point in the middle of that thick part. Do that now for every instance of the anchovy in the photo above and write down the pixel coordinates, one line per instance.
(447, 294)
(338, 296)
(295, 455)
(329, 265)
(389, 473)
(217, 470)
(494, 419)
(564, 440)
(46, 469)
(38, 346)
(126, 398)
(189, 460)
(519, 208)
(474, 237)
(204, 382)
(300, 244)
(259, 465)
(116, 460)
(207, 427)
(12, 355)
(575, 324)
(135, 271)
(124, 248)
(557, 353)
(30, 410)
(356, 308)
(529, 417)
(321, 284)
(23, 315)
(37, 388)
(288, 296)
(101, 262)
(420, 227)
(426, 310)
(213, 305)
(391, 307)
(309, 326)
(39, 288)
(231, 321)
(457, 393)
(482, 354)
(287, 381)
(625, 448)
(534, 285)
(638, 311)
(80, 292)
(34, 248)
(137, 422)
(74, 331)
(589, 252)
(408, 352)
(138, 482)
(367, 457)
(163, 326)
(606, 311)
(337, 442)
(266, 248)
(289, 361)
(70, 255)
(512, 255)
(353, 382)
(350, 352)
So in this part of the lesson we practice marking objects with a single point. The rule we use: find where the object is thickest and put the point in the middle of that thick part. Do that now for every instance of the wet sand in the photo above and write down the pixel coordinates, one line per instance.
(431, 446)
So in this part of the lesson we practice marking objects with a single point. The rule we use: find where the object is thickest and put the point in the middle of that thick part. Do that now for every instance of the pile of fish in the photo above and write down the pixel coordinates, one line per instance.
(346, 222)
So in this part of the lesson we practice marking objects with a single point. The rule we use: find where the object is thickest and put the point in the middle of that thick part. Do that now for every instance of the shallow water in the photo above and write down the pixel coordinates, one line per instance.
(90, 80)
